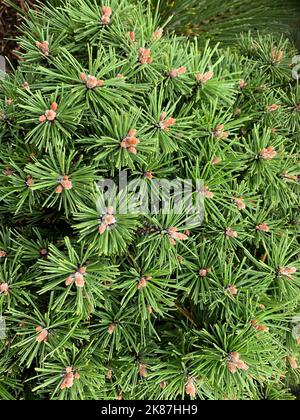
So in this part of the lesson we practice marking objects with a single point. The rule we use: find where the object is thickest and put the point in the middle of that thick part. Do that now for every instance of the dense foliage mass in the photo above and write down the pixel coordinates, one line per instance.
(101, 304)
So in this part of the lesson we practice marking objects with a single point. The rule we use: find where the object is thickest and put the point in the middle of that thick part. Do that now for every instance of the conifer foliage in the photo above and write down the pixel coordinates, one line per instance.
(103, 304)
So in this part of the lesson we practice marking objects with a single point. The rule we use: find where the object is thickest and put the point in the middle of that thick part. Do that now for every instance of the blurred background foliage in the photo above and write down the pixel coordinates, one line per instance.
(222, 21)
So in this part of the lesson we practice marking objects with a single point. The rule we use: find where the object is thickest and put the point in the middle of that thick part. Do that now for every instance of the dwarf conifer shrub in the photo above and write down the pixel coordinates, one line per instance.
(102, 303)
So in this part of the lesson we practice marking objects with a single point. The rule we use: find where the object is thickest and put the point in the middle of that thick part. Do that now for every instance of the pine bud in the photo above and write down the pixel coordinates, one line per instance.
(8, 171)
(50, 114)
(148, 175)
(268, 153)
(287, 271)
(285, 175)
(145, 56)
(163, 384)
(91, 82)
(190, 388)
(42, 336)
(83, 77)
(232, 367)
(231, 290)
(219, 132)
(25, 86)
(216, 160)
(79, 279)
(149, 309)
(234, 356)
(131, 36)
(207, 193)
(239, 202)
(142, 283)
(4, 289)
(242, 365)
(107, 220)
(242, 84)
(203, 78)
(259, 327)
(130, 141)
(69, 280)
(157, 34)
(293, 362)
(119, 396)
(165, 124)
(59, 189)
(109, 374)
(82, 270)
(106, 14)
(176, 236)
(2, 253)
(43, 47)
(76, 375)
(29, 181)
(111, 328)
(203, 272)
(230, 233)
(177, 72)
(66, 183)
(273, 107)
(143, 370)
(276, 56)
(263, 227)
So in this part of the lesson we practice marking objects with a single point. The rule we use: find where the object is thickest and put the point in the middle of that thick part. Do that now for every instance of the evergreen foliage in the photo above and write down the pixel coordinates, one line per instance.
(104, 305)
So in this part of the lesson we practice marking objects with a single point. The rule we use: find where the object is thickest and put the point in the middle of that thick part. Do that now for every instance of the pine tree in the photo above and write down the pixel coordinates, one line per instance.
(105, 304)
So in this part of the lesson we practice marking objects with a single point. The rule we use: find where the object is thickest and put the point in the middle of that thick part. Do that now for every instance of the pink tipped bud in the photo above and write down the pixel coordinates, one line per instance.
(59, 189)
(242, 365)
(157, 34)
(142, 283)
(2, 253)
(242, 84)
(190, 388)
(293, 362)
(66, 183)
(69, 280)
(232, 367)
(4, 289)
(76, 375)
(148, 175)
(230, 233)
(54, 106)
(79, 280)
(240, 204)
(111, 328)
(273, 107)
(203, 272)
(132, 150)
(106, 10)
(42, 118)
(231, 290)
(143, 370)
(43, 335)
(83, 77)
(216, 160)
(203, 78)
(50, 115)
(268, 153)
(131, 36)
(102, 228)
(207, 193)
(263, 227)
